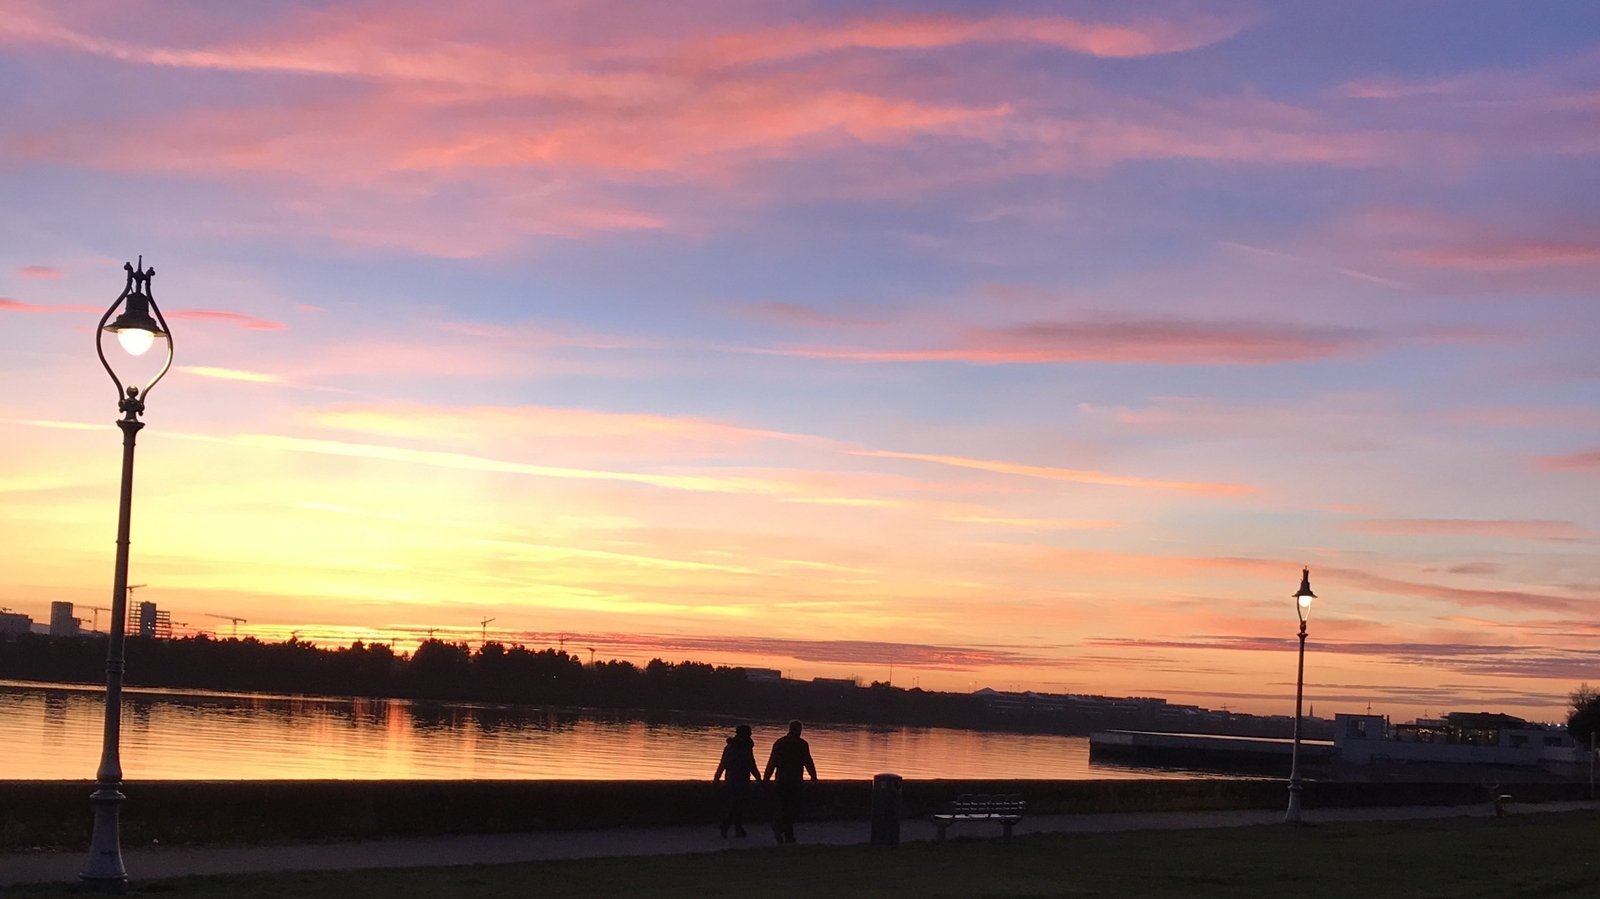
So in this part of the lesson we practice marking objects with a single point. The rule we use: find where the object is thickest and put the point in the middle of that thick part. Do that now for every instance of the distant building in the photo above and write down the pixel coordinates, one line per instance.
(15, 623)
(836, 681)
(763, 674)
(153, 622)
(62, 624)
(1479, 738)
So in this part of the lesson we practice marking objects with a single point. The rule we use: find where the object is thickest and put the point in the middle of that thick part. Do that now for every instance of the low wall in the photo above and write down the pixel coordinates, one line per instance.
(56, 814)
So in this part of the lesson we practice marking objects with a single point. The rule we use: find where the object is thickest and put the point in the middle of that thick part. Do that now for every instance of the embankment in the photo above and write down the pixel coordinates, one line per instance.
(56, 814)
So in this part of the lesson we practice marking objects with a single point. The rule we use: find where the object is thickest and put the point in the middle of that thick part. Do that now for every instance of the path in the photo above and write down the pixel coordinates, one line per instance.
(483, 849)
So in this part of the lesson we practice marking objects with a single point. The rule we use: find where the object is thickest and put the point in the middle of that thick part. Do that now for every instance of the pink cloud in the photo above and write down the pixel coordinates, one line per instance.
(420, 44)
(573, 123)
(1587, 462)
(229, 374)
(1149, 342)
(1510, 600)
(40, 272)
(1525, 417)
(10, 305)
(1065, 474)
(797, 315)
(1148, 37)
(1510, 255)
(1465, 657)
(1444, 253)
(239, 319)
(1520, 529)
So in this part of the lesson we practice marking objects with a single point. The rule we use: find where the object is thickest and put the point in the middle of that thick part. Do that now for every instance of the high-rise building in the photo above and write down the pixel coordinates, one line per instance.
(153, 622)
(62, 624)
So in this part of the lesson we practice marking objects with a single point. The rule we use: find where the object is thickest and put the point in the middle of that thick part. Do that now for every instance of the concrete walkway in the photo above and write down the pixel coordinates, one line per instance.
(145, 864)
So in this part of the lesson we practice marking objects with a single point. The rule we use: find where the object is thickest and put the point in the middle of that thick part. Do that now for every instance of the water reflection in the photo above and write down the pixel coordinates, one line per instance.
(53, 732)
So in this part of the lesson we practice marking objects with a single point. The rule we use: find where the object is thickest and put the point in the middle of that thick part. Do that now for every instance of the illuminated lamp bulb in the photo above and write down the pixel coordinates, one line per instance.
(135, 340)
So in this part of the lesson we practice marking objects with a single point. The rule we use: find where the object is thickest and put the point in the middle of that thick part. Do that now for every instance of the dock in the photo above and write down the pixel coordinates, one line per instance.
(1206, 751)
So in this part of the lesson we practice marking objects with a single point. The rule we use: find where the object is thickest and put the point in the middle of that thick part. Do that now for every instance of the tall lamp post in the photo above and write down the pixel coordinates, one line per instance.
(137, 329)
(1302, 607)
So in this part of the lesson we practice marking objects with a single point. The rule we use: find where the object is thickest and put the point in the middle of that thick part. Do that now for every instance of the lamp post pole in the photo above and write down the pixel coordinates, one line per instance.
(1302, 605)
(136, 330)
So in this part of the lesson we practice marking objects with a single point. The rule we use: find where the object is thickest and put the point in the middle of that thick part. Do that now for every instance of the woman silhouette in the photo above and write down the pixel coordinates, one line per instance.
(739, 764)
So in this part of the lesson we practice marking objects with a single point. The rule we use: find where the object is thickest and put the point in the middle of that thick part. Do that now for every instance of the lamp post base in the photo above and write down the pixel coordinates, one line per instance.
(1292, 816)
(104, 872)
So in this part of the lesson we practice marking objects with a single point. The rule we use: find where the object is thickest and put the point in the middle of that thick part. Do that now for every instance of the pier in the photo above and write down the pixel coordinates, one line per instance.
(1210, 751)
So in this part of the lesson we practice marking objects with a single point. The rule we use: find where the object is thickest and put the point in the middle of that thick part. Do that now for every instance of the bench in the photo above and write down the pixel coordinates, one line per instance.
(1005, 810)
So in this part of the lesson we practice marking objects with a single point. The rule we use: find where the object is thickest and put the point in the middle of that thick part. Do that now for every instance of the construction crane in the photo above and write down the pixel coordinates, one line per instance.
(127, 621)
(236, 621)
(484, 636)
(97, 610)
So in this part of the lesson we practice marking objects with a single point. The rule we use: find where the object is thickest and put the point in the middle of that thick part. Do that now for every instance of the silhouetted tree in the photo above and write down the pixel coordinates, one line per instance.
(439, 670)
(1583, 721)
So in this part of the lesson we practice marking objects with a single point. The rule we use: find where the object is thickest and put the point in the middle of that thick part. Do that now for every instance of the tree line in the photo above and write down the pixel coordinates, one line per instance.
(492, 673)
(496, 673)
(517, 675)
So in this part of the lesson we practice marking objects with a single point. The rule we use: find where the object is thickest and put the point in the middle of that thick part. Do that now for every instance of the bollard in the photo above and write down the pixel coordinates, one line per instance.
(886, 810)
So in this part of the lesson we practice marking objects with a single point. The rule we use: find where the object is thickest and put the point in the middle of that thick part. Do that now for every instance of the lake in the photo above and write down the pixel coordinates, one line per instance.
(53, 732)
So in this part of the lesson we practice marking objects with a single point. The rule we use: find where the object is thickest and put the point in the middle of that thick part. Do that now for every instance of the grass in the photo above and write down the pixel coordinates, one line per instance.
(1524, 856)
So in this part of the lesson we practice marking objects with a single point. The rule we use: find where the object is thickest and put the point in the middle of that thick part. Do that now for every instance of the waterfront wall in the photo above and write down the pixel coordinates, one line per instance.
(56, 814)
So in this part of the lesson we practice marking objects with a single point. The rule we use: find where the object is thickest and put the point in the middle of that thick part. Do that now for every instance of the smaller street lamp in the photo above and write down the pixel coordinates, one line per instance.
(137, 329)
(1302, 607)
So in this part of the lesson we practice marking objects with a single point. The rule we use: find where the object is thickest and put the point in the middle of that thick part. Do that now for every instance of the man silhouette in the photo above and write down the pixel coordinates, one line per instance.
(791, 759)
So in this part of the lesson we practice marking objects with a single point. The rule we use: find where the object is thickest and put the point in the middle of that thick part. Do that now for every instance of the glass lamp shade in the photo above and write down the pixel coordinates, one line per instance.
(1304, 596)
(136, 330)
(135, 340)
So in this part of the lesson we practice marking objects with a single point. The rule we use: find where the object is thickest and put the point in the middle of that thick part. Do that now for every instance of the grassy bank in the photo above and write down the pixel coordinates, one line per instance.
(1546, 855)
(55, 814)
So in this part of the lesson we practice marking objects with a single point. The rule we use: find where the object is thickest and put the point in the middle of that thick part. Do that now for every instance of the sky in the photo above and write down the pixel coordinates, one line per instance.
(957, 345)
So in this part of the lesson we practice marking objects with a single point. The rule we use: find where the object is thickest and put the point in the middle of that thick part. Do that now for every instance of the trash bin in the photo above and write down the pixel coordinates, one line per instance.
(886, 810)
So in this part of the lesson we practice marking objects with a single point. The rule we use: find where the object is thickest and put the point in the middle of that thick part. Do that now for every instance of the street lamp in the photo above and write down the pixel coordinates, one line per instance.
(1302, 607)
(137, 329)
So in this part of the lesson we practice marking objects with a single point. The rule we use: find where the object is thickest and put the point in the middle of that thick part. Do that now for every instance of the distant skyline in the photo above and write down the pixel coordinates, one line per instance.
(1024, 345)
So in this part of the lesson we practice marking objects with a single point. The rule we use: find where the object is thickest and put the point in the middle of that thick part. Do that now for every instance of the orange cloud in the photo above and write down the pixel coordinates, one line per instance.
(40, 272)
(783, 486)
(584, 430)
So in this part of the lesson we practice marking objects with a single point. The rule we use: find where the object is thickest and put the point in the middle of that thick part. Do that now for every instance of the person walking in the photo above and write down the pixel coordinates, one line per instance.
(790, 759)
(739, 765)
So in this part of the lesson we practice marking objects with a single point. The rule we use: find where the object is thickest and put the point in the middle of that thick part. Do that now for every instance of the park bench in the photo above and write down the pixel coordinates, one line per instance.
(1005, 810)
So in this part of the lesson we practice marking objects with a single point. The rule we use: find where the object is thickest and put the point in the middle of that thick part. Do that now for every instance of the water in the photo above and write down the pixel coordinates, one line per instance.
(54, 732)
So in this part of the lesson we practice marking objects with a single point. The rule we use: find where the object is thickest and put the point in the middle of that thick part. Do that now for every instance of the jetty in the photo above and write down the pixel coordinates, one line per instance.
(1214, 751)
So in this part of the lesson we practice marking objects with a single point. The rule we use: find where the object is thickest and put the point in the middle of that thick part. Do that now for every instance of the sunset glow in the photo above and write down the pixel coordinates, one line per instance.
(1025, 345)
